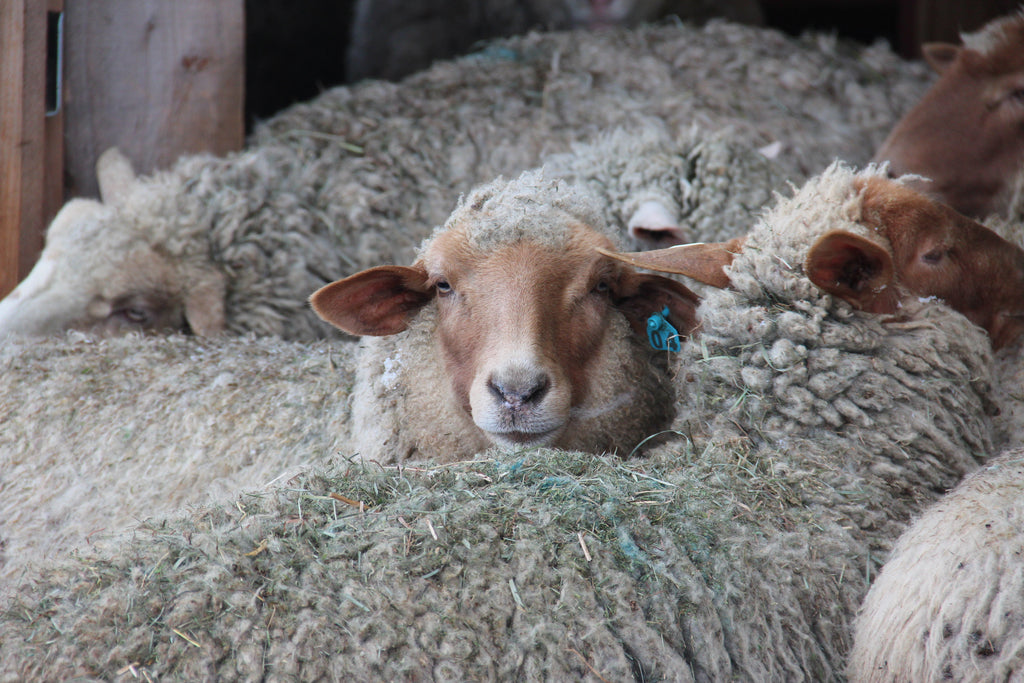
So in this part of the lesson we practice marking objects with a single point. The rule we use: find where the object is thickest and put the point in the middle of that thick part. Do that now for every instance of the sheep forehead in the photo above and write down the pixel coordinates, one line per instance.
(453, 255)
(833, 200)
(81, 223)
(531, 207)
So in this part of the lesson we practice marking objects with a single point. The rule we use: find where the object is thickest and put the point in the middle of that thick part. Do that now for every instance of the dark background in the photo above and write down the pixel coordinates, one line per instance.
(296, 48)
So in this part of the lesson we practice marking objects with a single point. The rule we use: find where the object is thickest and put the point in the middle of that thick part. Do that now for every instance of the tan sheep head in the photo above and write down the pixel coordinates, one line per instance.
(915, 247)
(119, 283)
(966, 135)
(523, 329)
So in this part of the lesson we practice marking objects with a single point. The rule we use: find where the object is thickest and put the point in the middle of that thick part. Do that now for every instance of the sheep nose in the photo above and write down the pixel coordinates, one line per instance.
(519, 387)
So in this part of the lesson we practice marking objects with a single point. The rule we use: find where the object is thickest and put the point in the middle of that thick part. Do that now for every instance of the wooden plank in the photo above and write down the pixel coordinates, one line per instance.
(157, 79)
(22, 135)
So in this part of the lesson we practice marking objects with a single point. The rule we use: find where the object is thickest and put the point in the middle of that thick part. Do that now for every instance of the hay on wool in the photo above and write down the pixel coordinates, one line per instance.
(468, 571)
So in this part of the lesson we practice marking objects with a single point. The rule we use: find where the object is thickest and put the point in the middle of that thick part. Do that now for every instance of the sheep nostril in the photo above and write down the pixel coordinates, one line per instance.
(519, 390)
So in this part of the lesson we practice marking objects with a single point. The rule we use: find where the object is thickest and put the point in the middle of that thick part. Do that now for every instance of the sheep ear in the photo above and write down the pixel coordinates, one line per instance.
(115, 176)
(854, 268)
(702, 262)
(638, 295)
(939, 55)
(204, 304)
(377, 302)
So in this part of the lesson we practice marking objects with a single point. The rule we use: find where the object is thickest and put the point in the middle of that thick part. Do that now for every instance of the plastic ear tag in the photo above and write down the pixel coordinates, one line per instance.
(661, 334)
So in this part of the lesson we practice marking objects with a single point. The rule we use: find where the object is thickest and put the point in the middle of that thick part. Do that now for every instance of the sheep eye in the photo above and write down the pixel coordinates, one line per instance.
(443, 287)
(933, 257)
(137, 316)
(602, 287)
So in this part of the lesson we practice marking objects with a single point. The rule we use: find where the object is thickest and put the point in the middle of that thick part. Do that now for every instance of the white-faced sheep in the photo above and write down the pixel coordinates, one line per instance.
(510, 328)
(520, 333)
(947, 605)
(741, 554)
(362, 174)
(394, 39)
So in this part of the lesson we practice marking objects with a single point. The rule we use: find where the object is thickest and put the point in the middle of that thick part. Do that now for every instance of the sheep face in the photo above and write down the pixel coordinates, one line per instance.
(966, 135)
(932, 251)
(906, 246)
(140, 290)
(523, 329)
(99, 272)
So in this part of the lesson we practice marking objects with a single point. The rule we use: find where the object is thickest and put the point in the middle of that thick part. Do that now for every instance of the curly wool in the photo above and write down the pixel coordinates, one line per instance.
(891, 413)
(949, 603)
(360, 175)
(534, 206)
(99, 434)
(712, 186)
(788, 359)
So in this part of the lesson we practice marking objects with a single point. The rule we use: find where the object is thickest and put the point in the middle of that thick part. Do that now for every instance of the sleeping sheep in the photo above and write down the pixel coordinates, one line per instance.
(361, 174)
(519, 334)
(947, 605)
(739, 550)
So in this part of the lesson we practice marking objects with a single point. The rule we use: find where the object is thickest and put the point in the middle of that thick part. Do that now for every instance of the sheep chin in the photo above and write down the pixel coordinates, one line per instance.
(520, 439)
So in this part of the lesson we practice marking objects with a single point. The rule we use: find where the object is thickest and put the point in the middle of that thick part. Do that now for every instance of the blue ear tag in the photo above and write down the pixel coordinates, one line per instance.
(661, 334)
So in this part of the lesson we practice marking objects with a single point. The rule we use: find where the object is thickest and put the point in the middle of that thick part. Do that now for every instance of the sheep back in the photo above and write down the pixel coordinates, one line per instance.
(98, 434)
(949, 603)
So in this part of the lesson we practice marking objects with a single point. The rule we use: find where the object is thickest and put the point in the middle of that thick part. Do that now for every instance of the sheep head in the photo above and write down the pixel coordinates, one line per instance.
(120, 282)
(522, 328)
(966, 135)
(914, 247)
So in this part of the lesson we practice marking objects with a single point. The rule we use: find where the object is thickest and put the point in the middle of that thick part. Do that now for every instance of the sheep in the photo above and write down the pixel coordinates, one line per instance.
(947, 604)
(391, 40)
(534, 337)
(785, 359)
(178, 422)
(738, 550)
(100, 433)
(963, 137)
(361, 174)
(664, 190)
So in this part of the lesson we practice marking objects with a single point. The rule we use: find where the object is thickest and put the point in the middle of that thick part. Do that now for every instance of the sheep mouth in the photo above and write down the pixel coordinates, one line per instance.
(520, 438)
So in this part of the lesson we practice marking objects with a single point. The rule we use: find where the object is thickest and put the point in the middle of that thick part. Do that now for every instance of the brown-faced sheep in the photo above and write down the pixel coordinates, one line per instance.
(741, 553)
(833, 346)
(510, 328)
(964, 136)
(949, 603)
(361, 174)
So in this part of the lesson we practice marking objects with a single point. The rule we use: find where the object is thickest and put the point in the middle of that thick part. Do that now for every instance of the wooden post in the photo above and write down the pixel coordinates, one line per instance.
(30, 142)
(157, 79)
